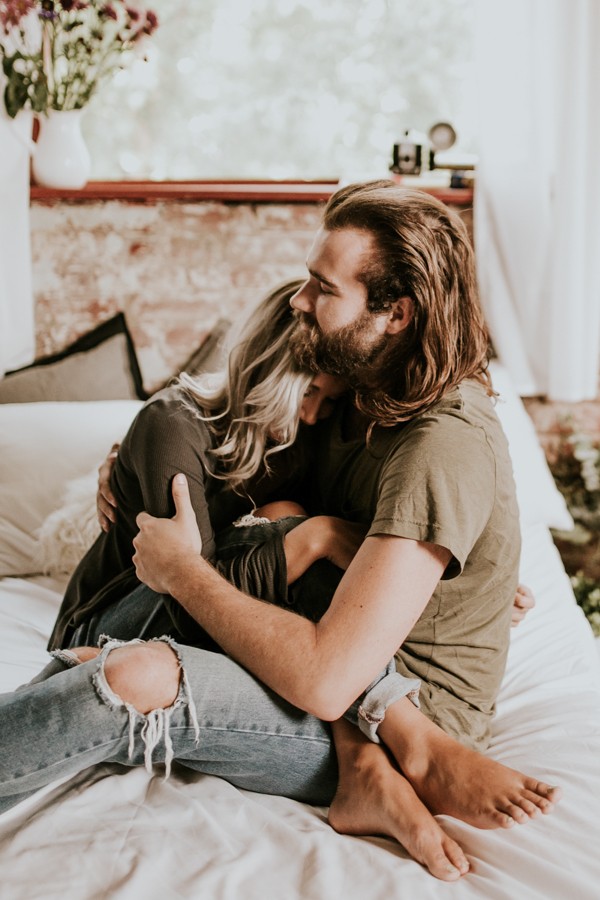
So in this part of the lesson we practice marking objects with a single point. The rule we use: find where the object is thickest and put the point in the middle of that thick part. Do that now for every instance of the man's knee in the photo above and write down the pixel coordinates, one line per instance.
(146, 676)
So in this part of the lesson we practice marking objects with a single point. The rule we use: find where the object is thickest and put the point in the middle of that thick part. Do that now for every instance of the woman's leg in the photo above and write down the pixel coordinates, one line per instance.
(368, 711)
(139, 704)
(140, 614)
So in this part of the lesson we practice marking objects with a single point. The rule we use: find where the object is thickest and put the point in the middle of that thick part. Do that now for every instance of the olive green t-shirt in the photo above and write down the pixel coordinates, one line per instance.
(445, 477)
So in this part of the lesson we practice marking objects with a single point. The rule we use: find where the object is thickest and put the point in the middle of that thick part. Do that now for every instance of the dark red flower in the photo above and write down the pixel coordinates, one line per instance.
(151, 22)
(109, 12)
(13, 11)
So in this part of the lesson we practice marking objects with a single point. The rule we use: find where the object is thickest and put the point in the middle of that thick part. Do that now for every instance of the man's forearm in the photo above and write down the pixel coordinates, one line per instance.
(281, 648)
(320, 667)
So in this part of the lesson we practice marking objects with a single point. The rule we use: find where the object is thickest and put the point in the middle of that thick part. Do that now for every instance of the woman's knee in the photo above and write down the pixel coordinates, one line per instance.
(146, 676)
(83, 654)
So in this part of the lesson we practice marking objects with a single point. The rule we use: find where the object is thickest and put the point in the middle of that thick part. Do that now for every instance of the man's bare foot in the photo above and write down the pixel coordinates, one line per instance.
(453, 780)
(374, 798)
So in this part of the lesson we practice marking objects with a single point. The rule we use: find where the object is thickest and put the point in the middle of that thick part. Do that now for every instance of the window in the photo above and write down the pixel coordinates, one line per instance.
(298, 89)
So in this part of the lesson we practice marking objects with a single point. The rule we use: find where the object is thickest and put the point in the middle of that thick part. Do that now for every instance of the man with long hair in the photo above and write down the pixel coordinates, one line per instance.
(419, 457)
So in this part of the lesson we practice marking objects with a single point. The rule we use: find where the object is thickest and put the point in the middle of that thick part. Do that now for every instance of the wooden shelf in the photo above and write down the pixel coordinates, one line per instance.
(223, 191)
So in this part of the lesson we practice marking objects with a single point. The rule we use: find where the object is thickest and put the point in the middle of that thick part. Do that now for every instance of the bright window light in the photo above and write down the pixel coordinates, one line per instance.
(284, 89)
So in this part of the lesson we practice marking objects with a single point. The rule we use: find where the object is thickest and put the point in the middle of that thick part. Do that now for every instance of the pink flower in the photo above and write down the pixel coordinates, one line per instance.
(151, 22)
(109, 12)
(12, 11)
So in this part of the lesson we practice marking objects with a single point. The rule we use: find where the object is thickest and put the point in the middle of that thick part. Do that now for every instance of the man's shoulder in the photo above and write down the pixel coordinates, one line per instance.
(464, 414)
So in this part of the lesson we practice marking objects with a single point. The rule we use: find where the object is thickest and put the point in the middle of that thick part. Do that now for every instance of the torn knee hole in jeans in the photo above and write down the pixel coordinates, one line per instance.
(156, 724)
(68, 657)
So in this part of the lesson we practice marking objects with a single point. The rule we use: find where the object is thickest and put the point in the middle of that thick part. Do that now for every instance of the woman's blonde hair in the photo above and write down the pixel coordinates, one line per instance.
(421, 249)
(253, 403)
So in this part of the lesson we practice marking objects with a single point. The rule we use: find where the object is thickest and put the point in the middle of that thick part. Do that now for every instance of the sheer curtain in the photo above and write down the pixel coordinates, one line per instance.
(537, 204)
(16, 300)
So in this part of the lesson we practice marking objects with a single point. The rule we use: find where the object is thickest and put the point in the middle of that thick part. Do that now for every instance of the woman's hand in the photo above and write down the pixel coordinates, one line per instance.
(106, 504)
(523, 602)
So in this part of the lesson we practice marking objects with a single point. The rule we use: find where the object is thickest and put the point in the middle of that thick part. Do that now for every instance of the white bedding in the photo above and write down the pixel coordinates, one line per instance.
(122, 834)
(119, 833)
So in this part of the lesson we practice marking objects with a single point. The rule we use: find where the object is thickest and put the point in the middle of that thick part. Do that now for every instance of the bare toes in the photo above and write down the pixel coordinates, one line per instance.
(544, 791)
(441, 867)
(503, 820)
(456, 856)
(528, 806)
(516, 813)
(553, 794)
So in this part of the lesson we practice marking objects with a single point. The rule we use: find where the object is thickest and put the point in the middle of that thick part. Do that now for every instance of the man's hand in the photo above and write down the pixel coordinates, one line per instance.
(523, 602)
(106, 505)
(165, 549)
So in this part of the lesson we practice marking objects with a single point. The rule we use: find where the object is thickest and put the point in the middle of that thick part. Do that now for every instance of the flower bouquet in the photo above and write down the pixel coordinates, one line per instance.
(55, 53)
(576, 471)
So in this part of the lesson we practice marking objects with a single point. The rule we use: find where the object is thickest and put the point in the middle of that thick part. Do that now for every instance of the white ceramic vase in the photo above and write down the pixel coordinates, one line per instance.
(61, 158)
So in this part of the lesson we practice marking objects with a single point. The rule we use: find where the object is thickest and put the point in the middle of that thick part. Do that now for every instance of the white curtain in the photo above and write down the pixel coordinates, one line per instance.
(537, 200)
(17, 344)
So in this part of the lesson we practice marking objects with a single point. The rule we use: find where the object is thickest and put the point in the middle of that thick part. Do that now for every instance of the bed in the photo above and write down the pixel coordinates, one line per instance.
(121, 833)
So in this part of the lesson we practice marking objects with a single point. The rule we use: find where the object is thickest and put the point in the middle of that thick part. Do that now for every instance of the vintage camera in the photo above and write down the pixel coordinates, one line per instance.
(406, 158)
(409, 154)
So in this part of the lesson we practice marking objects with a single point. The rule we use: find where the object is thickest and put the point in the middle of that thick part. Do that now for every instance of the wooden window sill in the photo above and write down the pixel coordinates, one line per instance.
(224, 191)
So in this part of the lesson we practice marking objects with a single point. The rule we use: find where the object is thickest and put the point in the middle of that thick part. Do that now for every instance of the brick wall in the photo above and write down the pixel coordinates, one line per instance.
(173, 268)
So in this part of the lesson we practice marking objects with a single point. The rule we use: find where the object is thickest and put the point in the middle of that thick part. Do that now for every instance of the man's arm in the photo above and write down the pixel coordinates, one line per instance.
(320, 667)
(106, 503)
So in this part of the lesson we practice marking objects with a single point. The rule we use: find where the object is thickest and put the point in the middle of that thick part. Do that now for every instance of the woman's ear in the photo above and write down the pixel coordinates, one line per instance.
(401, 315)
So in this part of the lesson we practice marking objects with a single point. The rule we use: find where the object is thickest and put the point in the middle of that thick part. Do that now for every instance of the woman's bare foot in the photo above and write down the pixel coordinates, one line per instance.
(453, 780)
(373, 798)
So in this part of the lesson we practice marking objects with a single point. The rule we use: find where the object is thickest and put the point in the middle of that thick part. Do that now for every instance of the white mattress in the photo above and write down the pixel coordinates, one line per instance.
(122, 834)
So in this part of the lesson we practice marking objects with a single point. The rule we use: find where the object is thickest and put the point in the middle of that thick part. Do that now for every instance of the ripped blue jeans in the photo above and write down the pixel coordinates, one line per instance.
(223, 722)
(143, 614)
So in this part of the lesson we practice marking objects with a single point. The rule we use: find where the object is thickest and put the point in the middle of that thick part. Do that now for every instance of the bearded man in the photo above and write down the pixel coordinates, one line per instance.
(390, 303)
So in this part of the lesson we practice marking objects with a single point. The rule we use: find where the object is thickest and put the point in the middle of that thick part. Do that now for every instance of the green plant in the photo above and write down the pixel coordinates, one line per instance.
(577, 474)
(576, 471)
(587, 594)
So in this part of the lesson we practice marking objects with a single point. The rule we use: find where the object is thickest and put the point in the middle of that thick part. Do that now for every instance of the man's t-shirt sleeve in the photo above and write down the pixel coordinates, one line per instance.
(438, 486)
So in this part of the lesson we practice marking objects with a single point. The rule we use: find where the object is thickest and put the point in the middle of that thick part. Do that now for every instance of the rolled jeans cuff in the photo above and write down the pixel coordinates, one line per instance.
(368, 711)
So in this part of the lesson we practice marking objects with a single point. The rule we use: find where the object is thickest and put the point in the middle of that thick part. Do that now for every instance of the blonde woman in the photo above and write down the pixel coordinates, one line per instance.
(240, 437)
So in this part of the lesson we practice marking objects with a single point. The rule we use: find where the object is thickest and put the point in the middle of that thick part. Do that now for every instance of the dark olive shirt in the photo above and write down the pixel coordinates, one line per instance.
(166, 438)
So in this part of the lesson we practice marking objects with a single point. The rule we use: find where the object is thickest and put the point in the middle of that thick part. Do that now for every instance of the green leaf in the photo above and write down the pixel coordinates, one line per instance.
(15, 96)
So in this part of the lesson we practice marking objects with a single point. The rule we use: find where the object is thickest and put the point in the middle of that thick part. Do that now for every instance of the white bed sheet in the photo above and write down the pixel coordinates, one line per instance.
(124, 834)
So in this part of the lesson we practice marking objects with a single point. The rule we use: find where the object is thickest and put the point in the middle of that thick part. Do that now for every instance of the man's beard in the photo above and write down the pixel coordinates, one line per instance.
(349, 352)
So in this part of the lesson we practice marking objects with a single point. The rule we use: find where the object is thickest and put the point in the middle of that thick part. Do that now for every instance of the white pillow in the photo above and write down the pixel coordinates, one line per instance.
(69, 531)
(42, 447)
(540, 501)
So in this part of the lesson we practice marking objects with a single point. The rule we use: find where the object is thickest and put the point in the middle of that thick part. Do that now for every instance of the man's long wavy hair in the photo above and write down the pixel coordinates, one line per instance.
(421, 250)
(253, 403)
